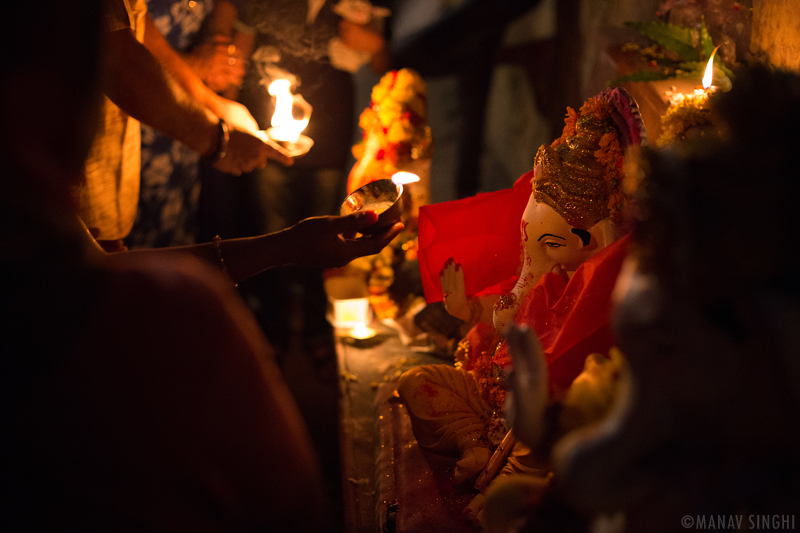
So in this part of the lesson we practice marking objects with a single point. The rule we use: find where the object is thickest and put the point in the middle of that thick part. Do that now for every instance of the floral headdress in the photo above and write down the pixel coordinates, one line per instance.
(581, 172)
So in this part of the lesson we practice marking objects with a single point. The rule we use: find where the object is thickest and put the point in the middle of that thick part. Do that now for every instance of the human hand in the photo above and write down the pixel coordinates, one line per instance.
(235, 114)
(218, 63)
(108, 246)
(361, 37)
(330, 241)
(246, 152)
(454, 291)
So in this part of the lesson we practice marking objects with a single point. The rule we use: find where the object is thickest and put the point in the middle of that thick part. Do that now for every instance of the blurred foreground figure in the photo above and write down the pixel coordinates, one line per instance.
(187, 428)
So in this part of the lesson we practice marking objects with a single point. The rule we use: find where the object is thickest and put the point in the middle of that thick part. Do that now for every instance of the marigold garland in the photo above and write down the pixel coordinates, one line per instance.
(482, 366)
(685, 111)
(397, 117)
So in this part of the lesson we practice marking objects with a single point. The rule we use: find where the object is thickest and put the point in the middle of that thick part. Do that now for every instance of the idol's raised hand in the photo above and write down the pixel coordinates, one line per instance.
(453, 290)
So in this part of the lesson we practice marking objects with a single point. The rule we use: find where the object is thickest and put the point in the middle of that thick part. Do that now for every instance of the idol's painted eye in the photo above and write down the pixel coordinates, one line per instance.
(551, 241)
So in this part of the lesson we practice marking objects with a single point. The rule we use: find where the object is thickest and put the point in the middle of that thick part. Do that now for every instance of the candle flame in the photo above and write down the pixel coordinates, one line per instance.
(361, 331)
(402, 178)
(285, 126)
(709, 73)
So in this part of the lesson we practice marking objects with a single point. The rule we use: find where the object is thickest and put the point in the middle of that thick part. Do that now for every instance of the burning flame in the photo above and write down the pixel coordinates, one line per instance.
(402, 178)
(284, 126)
(362, 331)
(709, 73)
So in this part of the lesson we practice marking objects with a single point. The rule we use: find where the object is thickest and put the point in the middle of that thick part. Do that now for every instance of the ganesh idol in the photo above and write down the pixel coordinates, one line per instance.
(566, 221)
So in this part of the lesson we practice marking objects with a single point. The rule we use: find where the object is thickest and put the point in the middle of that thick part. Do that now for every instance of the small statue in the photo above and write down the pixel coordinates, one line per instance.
(396, 131)
(705, 420)
(575, 208)
(574, 211)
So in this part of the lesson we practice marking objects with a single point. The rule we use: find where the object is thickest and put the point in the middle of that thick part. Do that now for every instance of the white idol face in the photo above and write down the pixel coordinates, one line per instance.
(550, 241)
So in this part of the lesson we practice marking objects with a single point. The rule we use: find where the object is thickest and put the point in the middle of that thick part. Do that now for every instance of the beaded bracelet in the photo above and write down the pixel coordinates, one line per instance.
(475, 309)
(222, 144)
(216, 240)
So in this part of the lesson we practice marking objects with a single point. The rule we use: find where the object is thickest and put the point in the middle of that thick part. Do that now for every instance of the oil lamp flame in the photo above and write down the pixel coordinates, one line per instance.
(284, 126)
(403, 178)
(362, 332)
(709, 73)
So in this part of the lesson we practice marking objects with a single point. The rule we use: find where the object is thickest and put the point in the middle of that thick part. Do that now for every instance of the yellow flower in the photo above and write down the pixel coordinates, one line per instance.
(596, 107)
(367, 118)
(609, 151)
(389, 112)
(397, 99)
(380, 91)
(404, 77)
(570, 121)
(401, 93)
(683, 114)
(400, 130)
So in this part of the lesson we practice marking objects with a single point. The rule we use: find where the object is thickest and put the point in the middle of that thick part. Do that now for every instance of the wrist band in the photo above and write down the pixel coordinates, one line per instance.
(216, 240)
(222, 145)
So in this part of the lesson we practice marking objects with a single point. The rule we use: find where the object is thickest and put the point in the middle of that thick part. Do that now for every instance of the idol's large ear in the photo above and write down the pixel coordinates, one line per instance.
(603, 233)
(626, 116)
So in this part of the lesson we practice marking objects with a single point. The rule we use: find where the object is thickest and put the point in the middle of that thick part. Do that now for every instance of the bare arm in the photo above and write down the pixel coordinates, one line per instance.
(244, 43)
(316, 241)
(136, 79)
(364, 37)
(191, 82)
(217, 60)
(138, 84)
(220, 22)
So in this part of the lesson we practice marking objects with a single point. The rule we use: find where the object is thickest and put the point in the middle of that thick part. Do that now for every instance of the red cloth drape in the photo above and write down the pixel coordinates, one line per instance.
(481, 233)
(572, 317)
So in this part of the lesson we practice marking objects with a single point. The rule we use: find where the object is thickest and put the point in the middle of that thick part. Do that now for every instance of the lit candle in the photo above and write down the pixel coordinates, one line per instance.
(362, 332)
(708, 76)
(284, 126)
(404, 178)
(688, 111)
(286, 131)
(350, 311)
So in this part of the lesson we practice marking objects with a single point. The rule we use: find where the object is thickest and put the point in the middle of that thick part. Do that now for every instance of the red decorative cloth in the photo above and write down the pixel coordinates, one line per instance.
(571, 317)
(481, 233)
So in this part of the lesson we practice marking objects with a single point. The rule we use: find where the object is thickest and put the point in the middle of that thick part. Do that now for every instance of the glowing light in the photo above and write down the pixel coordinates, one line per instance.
(362, 331)
(402, 178)
(284, 126)
(709, 73)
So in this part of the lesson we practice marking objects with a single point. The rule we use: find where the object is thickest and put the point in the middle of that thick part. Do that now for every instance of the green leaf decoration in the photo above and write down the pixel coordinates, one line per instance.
(706, 43)
(693, 67)
(671, 37)
(718, 63)
(708, 49)
(645, 75)
(696, 69)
